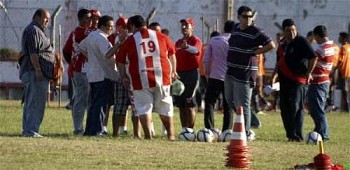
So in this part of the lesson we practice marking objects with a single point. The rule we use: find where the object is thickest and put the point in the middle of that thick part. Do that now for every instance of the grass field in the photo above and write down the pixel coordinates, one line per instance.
(60, 149)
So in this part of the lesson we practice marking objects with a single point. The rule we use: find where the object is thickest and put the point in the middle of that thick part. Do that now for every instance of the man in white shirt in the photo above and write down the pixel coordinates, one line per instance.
(101, 72)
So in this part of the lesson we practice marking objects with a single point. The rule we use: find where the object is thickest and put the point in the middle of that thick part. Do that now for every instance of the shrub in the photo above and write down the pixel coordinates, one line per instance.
(8, 54)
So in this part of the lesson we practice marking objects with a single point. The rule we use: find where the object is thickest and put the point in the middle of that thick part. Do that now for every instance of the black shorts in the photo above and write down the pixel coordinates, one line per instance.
(191, 81)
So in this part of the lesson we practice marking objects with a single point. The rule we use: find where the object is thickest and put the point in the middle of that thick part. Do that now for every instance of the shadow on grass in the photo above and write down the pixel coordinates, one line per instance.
(7, 134)
(51, 135)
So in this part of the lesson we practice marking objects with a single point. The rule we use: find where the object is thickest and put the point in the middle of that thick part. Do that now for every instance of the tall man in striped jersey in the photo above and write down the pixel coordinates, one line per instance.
(246, 42)
(146, 60)
(319, 84)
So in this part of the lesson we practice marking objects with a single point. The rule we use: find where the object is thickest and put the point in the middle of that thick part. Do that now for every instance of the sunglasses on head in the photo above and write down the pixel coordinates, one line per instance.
(247, 16)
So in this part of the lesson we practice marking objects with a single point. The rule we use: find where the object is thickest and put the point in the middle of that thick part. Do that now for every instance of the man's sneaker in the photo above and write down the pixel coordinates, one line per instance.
(68, 106)
(35, 135)
(267, 106)
(124, 132)
(104, 130)
(255, 122)
(261, 113)
(79, 133)
(251, 136)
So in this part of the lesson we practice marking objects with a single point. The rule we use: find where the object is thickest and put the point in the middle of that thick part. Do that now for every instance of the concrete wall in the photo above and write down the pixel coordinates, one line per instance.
(307, 14)
(334, 14)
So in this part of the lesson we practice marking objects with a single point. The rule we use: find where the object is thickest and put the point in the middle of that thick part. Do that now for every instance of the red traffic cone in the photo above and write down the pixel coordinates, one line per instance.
(322, 160)
(237, 156)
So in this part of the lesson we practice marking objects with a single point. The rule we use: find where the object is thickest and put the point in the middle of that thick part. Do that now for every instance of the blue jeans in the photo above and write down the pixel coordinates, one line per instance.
(239, 94)
(81, 95)
(35, 95)
(317, 95)
(97, 107)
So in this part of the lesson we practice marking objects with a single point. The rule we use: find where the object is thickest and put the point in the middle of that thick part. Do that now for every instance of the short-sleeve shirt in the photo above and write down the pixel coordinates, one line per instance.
(242, 62)
(325, 53)
(293, 58)
(145, 55)
(35, 41)
(185, 61)
(99, 67)
(70, 48)
(344, 59)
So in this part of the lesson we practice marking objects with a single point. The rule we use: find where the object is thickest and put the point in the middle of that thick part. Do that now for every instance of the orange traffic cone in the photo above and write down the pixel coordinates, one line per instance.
(237, 156)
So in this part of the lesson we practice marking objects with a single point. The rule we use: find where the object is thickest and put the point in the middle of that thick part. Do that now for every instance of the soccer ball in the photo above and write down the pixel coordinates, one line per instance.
(177, 88)
(313, 138)
(187, 134)
(216, 133)
(226, 135)
(205, 135)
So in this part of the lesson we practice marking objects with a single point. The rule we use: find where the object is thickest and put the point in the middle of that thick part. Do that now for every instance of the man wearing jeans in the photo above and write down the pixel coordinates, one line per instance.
(35, 45)
(245, 43)
(319, 83)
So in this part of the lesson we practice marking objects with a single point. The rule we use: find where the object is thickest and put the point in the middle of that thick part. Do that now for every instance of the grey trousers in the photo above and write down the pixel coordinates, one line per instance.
(239, 94)
(81, 96)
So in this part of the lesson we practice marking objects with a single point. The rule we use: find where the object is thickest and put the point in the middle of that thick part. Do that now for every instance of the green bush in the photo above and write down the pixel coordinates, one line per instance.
(8, 53)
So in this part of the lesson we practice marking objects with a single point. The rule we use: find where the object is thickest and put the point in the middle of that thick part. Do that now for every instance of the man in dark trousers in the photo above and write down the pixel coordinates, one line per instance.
(296, 61)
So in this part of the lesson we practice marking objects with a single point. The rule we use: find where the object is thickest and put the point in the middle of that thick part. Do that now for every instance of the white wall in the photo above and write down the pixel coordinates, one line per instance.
(334, 14)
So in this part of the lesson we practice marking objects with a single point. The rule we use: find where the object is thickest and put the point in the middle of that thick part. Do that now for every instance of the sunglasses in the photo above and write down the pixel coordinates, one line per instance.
(187, 26)
(247, 16)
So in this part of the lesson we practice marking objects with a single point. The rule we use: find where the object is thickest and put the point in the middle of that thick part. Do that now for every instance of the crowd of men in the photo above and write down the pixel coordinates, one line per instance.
(134, 66)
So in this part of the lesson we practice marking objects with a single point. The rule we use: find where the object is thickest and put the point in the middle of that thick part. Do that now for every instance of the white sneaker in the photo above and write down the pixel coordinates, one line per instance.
(261, 113)
(251, 135)
(35, 135)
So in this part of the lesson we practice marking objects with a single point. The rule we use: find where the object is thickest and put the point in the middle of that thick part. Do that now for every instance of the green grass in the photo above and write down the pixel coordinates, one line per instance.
(61, 150)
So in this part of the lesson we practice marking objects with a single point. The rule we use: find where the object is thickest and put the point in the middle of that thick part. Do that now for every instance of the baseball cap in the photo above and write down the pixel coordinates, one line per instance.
(188, 21)
(95, 13)
(177, 88)
(121, 21)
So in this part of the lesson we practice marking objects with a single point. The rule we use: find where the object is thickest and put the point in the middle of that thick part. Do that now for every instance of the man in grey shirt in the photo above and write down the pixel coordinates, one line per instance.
(36, 49)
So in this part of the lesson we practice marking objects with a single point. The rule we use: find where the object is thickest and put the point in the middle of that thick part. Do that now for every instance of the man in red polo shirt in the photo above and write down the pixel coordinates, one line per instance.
(146, 60)
(188, 51)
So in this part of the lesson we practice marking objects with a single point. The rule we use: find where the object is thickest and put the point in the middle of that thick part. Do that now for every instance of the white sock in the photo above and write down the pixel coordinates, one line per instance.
(152, 129)
(122, 129)
(164, 130)
(104, 128)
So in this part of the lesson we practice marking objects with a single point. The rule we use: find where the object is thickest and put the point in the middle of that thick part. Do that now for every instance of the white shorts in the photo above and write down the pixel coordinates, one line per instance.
(155, 99)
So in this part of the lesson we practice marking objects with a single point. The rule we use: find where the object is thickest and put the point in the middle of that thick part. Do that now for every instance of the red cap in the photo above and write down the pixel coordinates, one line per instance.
(95, 13)
(121, 21)
(188, 21)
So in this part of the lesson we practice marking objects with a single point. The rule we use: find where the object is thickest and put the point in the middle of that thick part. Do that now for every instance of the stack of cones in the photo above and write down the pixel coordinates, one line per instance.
(322, 160)
(237, 156)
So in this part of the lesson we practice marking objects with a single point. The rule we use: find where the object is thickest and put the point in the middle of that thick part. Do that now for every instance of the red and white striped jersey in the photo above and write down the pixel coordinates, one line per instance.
(145, 55)
(325, 53)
